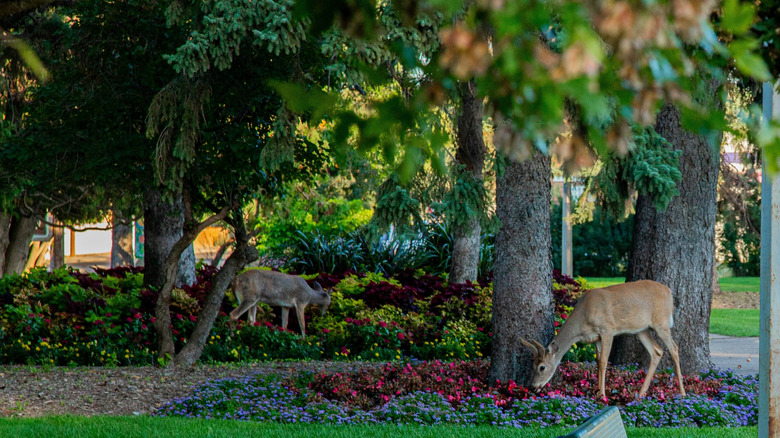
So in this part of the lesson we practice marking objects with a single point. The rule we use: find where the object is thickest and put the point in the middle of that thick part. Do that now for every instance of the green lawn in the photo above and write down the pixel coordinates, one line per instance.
(144, 426)
(740, 284)
(728, 284)
(734, 322)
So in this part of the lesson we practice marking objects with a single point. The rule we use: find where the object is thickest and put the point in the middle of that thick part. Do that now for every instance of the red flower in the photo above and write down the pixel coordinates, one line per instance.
(153, 319)
(382, 324)
(143, 327)
(193, 318)
(401, 336)
(179, 316)
(325, 330)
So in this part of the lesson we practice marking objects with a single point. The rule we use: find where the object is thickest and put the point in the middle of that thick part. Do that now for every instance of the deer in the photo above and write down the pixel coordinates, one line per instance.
(276, 289)
(600, 314)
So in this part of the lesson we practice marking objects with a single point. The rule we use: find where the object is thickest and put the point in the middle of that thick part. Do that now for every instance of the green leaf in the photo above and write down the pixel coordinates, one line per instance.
(737, 16)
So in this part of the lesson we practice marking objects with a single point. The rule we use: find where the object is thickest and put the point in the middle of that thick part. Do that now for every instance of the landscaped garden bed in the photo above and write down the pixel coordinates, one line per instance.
(407, 349)
(456, 393)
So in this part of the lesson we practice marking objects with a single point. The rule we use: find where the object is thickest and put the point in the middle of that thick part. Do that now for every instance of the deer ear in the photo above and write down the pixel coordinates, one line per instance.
(316, 286)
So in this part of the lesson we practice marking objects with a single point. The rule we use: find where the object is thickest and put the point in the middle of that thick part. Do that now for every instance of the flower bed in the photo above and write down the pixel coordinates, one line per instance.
(456, 393)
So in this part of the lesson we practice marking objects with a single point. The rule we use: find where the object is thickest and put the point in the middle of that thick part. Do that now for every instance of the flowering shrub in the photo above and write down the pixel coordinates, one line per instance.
(68, 317)
(456, 393)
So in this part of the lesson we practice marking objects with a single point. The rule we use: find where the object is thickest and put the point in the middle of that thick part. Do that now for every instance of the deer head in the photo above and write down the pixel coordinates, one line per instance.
(323, 298)
(545, 362)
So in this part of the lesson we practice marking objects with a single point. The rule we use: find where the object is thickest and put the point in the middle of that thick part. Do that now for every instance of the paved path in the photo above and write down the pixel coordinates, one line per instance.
(738, 354)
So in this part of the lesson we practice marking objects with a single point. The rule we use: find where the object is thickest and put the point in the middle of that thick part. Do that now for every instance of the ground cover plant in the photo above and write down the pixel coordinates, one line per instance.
(457, 393)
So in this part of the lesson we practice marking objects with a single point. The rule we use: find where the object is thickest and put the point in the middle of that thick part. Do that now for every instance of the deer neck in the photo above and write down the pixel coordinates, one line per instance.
(569, 334)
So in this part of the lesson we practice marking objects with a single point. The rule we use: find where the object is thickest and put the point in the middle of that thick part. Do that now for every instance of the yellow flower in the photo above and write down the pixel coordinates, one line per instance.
(376, 354)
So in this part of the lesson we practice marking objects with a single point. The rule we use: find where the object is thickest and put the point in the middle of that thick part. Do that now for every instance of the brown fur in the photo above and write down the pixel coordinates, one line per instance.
(628, 308)
(276, 289)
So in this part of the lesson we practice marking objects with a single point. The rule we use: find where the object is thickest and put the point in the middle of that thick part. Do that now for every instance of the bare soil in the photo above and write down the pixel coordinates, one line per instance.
(735, 300)
(33, 391)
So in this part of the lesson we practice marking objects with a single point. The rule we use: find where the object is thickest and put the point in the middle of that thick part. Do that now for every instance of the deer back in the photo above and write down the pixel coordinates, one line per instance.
(273, 288)
(626, 308)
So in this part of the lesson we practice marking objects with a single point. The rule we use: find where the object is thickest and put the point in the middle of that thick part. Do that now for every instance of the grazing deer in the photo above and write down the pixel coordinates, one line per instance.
(276, 289)
(628, 308)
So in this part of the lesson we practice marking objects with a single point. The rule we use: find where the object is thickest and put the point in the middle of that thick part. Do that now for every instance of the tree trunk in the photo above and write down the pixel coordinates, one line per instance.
(121, 241)
(676, 247)
(5, 239)
(163, 223)
(18, 249)
(162, 324)
(57, 246)
(471, 154)
(522, 287)
(243, 254)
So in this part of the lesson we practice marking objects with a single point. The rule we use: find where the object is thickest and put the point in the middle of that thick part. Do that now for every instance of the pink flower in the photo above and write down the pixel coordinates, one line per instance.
(401, 336)
(382, 324)
(193, 318)
(325, 330)
(143, 326)
(153, 319)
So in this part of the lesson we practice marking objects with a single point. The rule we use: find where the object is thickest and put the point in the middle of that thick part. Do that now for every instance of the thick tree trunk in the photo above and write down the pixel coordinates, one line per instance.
(57, 247)
(163, 223)
(471, 154)
(676, 247)
(121, 241)
(20, 235)
(243, 254)
(522, 292)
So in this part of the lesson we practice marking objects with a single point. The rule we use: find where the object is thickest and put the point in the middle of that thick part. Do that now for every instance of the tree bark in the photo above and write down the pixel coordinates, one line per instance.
(5, 238)
(522, 287)
(676, 247)
(121, 241)
(162, 324)
(163, 223)
(57, 246)
(471, 154)
(243, 254)
(18, 249)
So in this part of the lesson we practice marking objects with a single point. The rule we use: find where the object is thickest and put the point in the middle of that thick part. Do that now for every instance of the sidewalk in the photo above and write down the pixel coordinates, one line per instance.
(738, 354)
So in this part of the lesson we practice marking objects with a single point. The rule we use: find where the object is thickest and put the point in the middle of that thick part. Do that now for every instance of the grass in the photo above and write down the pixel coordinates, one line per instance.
(727, 284)
(740, 284)
(734, 322)
(145, 426)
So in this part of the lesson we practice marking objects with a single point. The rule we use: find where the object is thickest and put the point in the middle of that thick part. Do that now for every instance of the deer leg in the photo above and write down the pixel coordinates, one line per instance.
(606, 346)
(243, 307)
(655, 357)
(299, 309)
(666, 338)
(285, 315)
(252, 314)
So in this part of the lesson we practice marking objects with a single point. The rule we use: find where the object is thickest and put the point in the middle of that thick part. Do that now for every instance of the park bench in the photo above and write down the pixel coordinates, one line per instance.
(605, 424)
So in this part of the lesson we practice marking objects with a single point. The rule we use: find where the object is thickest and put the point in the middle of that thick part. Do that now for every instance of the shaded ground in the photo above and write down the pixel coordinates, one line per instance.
(28, 391)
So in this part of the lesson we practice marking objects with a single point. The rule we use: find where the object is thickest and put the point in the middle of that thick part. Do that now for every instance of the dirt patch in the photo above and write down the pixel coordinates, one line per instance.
(735, 300)
(27, 391)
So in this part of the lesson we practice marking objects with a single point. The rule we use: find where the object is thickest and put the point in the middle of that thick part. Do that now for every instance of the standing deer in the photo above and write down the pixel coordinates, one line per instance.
(276, 289)
(628, 308)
